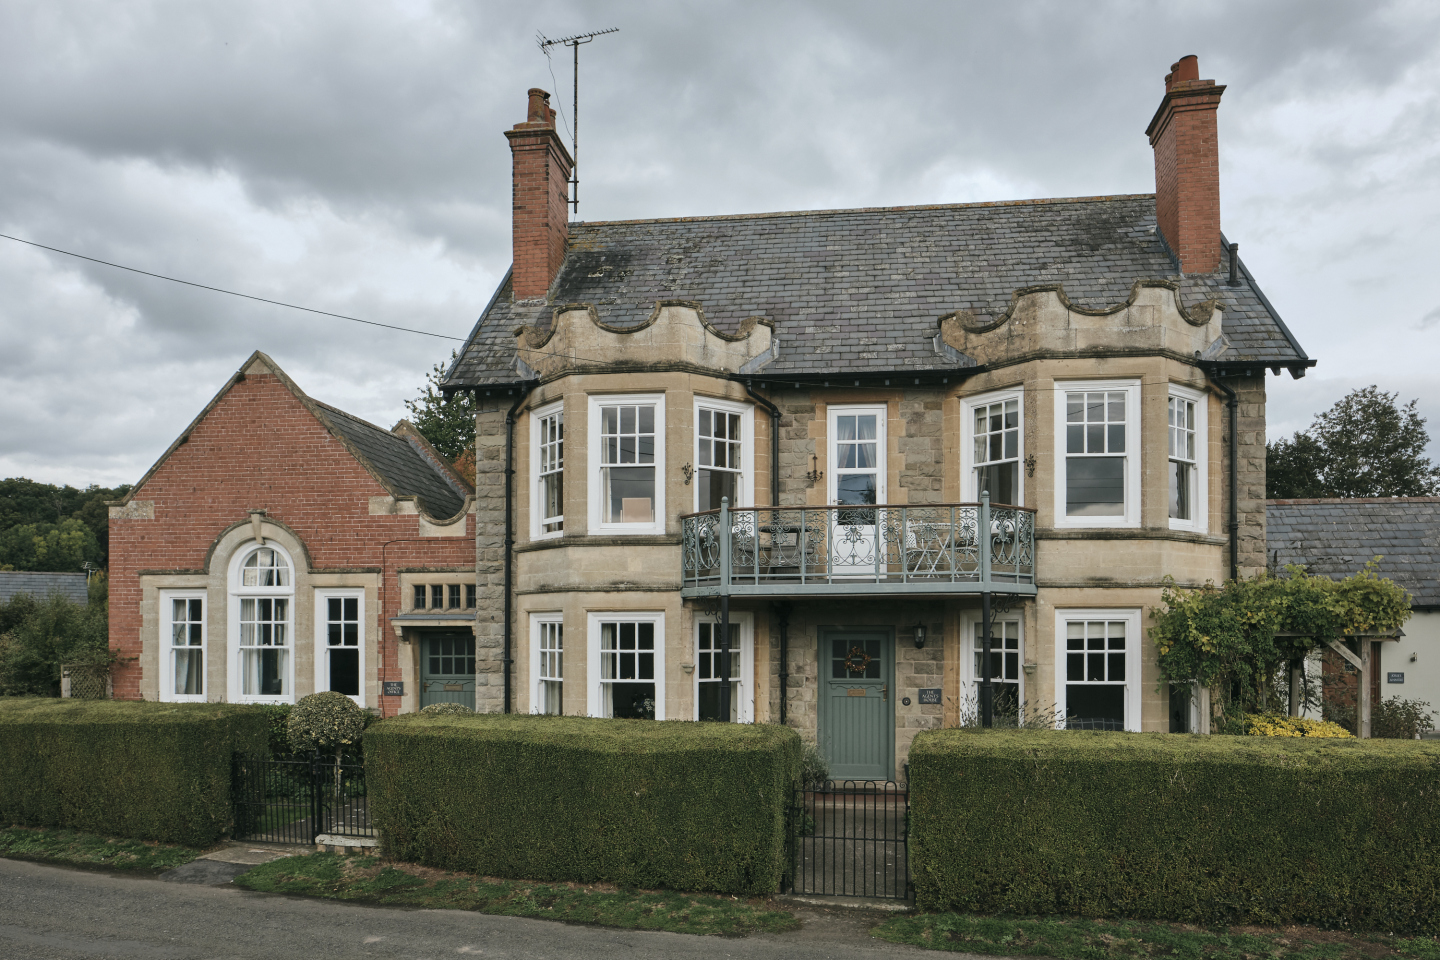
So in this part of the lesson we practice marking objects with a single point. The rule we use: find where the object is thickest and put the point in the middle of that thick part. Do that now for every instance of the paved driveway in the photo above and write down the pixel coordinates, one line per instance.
(48, 913)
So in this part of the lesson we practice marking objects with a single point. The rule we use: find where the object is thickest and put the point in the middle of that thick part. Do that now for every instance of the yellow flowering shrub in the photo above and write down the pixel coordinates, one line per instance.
(1279, 725)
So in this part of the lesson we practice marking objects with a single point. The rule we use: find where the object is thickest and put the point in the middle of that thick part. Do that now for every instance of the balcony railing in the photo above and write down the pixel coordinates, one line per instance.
(786, 551)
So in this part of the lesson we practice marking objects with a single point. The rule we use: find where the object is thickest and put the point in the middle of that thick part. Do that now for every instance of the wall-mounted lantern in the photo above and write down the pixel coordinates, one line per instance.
(919, 629)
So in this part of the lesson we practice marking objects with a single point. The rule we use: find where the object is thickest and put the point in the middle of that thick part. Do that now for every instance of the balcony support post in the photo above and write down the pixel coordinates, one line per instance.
(987, 688)
(725, 535)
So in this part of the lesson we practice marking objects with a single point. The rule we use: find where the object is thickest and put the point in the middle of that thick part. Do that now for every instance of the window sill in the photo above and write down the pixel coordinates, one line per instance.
(601, 540)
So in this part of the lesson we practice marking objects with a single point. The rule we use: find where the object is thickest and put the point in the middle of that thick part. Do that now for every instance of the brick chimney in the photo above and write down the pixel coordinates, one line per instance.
(540, 195)
(1187, 167)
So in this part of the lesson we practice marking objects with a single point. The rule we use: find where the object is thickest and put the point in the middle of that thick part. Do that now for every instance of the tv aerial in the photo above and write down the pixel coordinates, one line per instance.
(574, 41)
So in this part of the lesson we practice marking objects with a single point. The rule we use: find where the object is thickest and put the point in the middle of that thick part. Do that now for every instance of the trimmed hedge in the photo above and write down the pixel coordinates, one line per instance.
(687, 806)
(151, 771)
(1208, 830)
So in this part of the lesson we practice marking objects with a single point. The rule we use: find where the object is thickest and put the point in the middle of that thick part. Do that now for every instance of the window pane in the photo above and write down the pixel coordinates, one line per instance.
(189, 673)
(630, 494)
(1075, 407)
(1095, 707)
(419, 597)
(715, 484)
(844, 429)
(437, 596)
(1002, 480)
(469, 595)
(1180, 508)
(1117, 438)
(1095, 487)
(1074, 439)
(345, 671)
(866, 426)
(647, 419)
(855, 488)
(453, 591)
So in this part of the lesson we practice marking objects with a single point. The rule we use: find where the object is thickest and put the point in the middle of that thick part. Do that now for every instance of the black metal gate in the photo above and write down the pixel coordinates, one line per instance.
(849, 839)
(295, 801)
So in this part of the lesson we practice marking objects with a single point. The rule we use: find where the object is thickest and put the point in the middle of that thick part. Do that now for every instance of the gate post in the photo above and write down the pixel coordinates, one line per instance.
(317, 805)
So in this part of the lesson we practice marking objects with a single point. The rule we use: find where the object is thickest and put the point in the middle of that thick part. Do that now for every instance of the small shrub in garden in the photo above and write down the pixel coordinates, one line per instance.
(1399, 719)
(325, 721)
(1280, 725)
(442, 709)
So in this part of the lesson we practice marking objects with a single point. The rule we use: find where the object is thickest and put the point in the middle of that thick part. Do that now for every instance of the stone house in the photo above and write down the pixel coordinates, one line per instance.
(790, 422)
(281, 546)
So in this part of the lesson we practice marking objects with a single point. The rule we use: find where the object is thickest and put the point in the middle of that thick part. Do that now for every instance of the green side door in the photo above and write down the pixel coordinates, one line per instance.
(857, 710)
(447, 669)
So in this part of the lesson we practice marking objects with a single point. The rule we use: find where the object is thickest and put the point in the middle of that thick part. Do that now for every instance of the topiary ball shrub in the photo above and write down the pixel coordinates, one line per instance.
(325, 721)
(441, 709)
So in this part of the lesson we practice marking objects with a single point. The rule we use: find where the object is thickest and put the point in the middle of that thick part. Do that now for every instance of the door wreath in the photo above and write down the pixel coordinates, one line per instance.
(854, 665)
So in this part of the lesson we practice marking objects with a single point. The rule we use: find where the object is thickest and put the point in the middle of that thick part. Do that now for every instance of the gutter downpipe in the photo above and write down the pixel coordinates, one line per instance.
(1232, 405)
(781, 610)
(510, 534)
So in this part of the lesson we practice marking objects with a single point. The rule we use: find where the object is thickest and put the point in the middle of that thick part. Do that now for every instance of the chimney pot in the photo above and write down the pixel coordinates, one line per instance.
(539, 108)
(1187, 167)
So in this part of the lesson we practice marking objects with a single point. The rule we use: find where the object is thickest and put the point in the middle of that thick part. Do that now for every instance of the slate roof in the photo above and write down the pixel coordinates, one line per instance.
(402, 462)
(1338, 537)
(71, 586)
(864, 289)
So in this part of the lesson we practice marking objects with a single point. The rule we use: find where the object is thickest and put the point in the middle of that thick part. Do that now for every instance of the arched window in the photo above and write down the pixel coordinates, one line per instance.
(262, 594)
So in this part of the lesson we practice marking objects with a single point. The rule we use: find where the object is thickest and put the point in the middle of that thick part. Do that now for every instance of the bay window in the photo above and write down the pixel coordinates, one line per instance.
(1098, 440)
(1098, 683)
(722, 453)
(627, 446)
(992, 447)
(547, 462)
(1187, 450)
(627, 666)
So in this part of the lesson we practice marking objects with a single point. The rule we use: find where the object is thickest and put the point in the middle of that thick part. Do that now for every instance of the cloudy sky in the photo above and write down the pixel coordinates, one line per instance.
(348, 156)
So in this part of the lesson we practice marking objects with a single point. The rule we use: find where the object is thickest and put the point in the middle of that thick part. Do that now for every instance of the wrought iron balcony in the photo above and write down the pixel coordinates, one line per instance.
(944, 548)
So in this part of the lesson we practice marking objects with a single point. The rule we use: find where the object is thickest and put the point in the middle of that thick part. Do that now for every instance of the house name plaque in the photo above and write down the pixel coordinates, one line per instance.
(930, 695)
(1394, 678)
(394, 688)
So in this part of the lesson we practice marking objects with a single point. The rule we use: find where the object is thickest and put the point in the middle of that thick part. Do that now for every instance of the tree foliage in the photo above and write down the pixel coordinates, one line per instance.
(30, 503)
(449, 425)
(62, 547)
(1235, 637)
(1363, 446)
(38, 636)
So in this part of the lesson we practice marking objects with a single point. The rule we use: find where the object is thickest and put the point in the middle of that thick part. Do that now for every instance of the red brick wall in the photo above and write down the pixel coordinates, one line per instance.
(1187, 173)
(540, 209)
(259, 448)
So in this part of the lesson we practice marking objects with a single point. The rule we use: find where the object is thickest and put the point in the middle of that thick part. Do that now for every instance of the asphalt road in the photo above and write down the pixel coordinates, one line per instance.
(49, 913)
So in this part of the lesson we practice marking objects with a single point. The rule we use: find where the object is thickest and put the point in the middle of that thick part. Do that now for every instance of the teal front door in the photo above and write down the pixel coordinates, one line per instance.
(447, 669)
(857, 710)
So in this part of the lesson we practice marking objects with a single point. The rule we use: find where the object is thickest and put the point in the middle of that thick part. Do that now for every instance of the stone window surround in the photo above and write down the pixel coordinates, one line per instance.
(968, 491)
(1134, 640)
(322, 639)
(1133, 452)
(594, 489)
(167, 692)
(234, 654)
(1201, 493)
(410, 579)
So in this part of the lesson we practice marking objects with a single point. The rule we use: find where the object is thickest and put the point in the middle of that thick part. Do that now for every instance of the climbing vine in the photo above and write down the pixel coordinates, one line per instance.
(1235, 637)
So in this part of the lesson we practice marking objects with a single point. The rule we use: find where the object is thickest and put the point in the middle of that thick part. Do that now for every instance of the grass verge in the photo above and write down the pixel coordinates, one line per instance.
(90, 850)
(371, 880)
(1082, 939)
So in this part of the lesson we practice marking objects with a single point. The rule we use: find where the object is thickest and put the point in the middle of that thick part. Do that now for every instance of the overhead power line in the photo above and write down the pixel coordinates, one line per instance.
(233, 293)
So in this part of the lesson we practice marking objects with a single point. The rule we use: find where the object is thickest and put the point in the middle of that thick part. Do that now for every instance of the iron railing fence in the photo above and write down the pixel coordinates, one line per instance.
(850, 838)
(934, 548)
(295, 801)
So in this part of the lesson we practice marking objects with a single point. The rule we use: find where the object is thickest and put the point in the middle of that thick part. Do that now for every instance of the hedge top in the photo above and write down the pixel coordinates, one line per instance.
(50, 710)
(591, 733)
(1082, 746)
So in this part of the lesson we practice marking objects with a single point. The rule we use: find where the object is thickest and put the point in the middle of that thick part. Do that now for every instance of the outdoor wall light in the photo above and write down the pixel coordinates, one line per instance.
(919, 636)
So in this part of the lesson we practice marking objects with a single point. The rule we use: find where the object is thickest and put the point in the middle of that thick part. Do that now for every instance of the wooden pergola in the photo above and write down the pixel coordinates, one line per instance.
(1361, 661)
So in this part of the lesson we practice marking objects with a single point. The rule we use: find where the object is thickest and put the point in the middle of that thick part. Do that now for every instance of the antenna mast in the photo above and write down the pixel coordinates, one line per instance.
(574, 42)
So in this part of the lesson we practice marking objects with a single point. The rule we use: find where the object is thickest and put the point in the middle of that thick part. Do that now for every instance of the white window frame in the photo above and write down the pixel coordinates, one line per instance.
(970, 488)
(234, 651)
(746, 679)
(1133, 448)
(1134, 641)
(594, 695)
(970, 649)
(1201, 520)
(882, 443)
(536, 622)
(167, 647)
(745, 487)
(537, 497)
(594, 487)
(322, 636)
